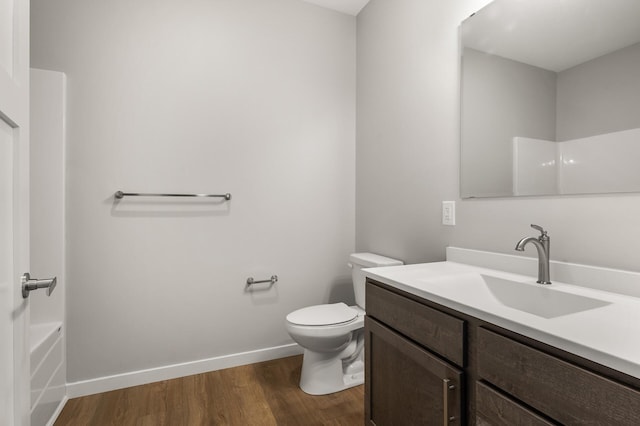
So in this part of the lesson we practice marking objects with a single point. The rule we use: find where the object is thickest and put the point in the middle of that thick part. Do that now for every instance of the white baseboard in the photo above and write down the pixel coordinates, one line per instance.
(56, 413)
(135, 378)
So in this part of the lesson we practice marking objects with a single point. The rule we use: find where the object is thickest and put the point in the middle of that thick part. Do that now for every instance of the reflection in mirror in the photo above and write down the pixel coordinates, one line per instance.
(551, 98)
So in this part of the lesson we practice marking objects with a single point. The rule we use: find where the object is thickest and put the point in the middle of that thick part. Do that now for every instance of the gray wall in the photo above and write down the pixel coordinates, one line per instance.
(407, 155)
(250, 97)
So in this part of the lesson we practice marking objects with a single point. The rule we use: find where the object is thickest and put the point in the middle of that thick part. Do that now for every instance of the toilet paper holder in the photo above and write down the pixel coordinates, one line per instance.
(271, 281)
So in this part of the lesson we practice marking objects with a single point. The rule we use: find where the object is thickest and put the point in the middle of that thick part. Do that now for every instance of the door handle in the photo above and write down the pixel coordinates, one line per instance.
(29, 284)
(447, 387)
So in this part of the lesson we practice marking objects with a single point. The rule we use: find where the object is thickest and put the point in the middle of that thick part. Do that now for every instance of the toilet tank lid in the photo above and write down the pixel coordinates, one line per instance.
(329, 314)
(369, 260)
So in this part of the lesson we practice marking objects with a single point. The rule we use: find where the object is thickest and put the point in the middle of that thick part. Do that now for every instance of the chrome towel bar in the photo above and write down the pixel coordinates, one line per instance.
(272, 280)
(119, 195)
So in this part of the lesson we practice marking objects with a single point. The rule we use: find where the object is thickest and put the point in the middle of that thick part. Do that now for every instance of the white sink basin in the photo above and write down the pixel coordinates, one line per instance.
(542, 300)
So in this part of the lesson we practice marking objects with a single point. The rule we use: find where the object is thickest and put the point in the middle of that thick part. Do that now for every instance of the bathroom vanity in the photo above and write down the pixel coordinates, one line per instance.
(440, 352)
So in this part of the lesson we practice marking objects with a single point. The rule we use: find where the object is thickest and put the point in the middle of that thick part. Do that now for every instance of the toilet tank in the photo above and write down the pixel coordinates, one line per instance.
(358, 261)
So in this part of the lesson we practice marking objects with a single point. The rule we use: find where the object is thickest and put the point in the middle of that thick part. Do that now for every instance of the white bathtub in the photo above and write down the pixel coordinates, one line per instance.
(48, 388)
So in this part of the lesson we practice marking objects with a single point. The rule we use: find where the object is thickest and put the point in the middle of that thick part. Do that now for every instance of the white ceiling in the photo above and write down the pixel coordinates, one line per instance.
(553, 34)
(350, 7)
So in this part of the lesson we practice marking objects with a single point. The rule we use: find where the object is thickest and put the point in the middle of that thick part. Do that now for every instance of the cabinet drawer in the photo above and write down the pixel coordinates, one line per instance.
(495, 409)
(431, 328)
(565, 392)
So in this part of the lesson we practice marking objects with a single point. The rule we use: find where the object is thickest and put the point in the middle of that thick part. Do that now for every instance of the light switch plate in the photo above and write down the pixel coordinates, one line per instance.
(449, 213)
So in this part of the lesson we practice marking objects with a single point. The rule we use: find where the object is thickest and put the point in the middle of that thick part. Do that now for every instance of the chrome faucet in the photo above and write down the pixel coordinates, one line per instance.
(542, 245)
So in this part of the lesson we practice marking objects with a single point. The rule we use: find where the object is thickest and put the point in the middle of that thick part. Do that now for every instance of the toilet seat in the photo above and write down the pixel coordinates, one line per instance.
(323, 315)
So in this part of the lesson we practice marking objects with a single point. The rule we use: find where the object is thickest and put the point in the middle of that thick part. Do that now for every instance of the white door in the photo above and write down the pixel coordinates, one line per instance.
(14, 211)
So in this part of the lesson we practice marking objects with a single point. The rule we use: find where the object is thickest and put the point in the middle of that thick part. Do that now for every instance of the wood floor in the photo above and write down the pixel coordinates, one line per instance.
(259, 394)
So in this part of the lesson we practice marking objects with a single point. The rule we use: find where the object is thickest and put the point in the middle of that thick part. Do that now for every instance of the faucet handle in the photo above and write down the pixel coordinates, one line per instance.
(543, 233)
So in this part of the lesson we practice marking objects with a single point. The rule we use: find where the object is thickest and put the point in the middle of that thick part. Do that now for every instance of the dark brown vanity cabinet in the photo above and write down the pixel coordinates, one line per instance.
(430, 365)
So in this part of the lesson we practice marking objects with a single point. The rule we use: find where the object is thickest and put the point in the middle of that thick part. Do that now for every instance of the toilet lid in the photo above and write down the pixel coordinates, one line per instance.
(335, 313)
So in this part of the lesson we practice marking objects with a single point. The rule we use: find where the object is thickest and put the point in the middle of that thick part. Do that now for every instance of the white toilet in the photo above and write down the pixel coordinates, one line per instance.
(332, 335)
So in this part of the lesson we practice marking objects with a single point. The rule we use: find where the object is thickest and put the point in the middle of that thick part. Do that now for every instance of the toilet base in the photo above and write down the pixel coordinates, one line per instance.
(324, 373)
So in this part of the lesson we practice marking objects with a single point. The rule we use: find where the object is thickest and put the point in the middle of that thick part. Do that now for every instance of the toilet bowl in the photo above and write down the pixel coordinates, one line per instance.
(332, 335)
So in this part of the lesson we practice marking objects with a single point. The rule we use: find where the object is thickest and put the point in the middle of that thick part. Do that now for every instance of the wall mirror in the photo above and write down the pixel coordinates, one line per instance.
(550, 98)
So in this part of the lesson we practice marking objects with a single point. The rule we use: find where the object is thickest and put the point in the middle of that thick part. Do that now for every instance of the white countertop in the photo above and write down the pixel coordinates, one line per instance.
(607, 334)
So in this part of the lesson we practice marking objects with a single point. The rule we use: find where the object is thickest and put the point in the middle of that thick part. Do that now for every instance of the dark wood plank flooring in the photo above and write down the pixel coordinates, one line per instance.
(266, 393)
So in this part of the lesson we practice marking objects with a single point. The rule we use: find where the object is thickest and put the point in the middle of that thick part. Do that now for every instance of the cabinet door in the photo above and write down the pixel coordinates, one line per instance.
(406, 384)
